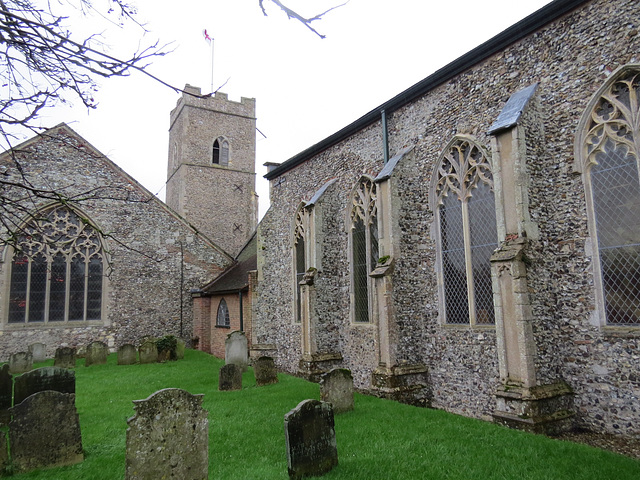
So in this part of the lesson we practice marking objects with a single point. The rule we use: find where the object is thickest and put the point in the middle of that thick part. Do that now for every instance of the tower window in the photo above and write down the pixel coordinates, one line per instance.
(221, 152)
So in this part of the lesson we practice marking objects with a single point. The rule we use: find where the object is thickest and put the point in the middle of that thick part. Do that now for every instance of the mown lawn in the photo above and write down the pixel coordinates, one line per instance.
(378, 440)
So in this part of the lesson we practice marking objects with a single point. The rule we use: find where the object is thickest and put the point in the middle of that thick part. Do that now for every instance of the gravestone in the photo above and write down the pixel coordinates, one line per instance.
(6, 389)
(168, 437)
(230, 377)
(96, 354)
(336, 388)
(20, 362)
(264, 368)
(236, 350)
(167, 348)
(65, 357)
(127, 354)
(148, 351)
(45, 432)
(58, 379)
(38, 351)
(311, 439)
(180, 349)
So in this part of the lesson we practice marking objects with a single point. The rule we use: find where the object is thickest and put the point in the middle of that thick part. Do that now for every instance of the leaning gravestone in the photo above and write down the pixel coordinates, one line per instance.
(236, 350)
(168, 437)
(45, 432)
(336, 388)
(311, 439)
(96, 354)
(6, 389)
(58, 379)
(230, 377)
(148, 351)
(65, 357)
(264, 368)
(127, 354)
(38, 351)
(20, 362)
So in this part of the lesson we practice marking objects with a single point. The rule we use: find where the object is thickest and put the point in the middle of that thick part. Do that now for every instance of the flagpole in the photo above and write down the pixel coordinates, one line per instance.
(212, 40)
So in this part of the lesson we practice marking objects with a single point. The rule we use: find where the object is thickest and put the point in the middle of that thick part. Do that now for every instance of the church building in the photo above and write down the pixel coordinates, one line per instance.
(473, 244)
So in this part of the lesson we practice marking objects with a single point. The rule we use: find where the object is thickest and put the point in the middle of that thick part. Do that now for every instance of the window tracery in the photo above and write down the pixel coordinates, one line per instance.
(299, 236)
(57, 270)
(467, 232)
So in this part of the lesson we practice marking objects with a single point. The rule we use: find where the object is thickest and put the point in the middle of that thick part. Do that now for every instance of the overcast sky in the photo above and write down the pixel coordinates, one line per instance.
(306, 88)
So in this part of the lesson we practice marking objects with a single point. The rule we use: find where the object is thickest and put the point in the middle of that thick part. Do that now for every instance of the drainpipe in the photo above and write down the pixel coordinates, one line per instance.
(385, 136)
(241, 314)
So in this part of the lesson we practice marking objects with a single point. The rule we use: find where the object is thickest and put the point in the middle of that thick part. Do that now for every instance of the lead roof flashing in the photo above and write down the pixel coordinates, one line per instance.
(513, 109)
(525, 27)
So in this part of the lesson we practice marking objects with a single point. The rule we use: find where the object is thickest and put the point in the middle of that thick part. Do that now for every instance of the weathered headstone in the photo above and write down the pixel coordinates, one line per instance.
(168, 437)
(6, 394)
(148, 352)
(45, 432)
(336, 388)
(20, 362)
(127, 354)
(230, 377)
(58, 379)
(65, 357)
(264, 368)
(96, 354)
(236, 350)
(180, 348)
(311, 439)
(38, 351)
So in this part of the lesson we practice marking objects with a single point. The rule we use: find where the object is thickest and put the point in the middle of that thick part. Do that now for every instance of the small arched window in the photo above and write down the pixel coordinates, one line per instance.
(222, 319)
(364, 248)
(221, 152)
(57, 270)
(607, 153)
(467, 236)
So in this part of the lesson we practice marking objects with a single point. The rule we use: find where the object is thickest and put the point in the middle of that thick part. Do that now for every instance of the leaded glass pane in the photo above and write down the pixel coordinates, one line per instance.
(484, 240)
(373, 238)
(300, 271)
(453, 261)
(76, 289)
(94, 289)
(616, 197)
(38, 289)
(223, 314)
(18, 293)
(57, 289)
(360, 271)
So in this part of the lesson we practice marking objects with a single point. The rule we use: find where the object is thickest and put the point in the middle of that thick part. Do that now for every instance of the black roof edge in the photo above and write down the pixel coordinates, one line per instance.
(514, 33)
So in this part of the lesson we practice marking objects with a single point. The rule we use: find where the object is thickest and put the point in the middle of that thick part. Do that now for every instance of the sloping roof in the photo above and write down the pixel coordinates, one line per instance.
(514, 33)
(236, 278)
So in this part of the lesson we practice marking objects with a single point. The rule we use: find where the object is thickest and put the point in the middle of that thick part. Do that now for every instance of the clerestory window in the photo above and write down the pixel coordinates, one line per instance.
(467, 233)
(222, 319)
(364, 249)
(607, 149)
(56, 270)
(221, 152)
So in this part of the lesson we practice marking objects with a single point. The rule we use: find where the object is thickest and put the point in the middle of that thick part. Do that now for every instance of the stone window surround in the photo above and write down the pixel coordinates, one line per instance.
(371, 290)
(222, 142)
(435, 234)
(6, 256)
(582, 164)
(299, 230)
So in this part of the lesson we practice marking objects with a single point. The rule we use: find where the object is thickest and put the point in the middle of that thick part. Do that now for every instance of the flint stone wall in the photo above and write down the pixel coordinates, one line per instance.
(145, 263)
(570, 59)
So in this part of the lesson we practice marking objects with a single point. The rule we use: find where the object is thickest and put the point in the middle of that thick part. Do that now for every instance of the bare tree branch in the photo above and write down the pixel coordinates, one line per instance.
(296, 16)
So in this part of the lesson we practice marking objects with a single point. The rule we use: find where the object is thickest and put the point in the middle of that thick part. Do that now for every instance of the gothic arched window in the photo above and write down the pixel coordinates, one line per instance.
(364, 248)
(221, 152)
(467, 233)
(299, 259)
(57, 270)
(222, 319)
(607, 153)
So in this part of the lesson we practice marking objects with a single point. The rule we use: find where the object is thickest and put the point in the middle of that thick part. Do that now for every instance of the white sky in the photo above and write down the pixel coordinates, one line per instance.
(306, 88)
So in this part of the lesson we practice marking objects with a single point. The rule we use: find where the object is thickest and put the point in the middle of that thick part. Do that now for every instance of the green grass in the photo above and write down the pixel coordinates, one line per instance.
(378, 440)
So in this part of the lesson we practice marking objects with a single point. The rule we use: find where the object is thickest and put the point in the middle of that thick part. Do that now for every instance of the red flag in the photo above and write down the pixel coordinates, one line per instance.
(206, 36)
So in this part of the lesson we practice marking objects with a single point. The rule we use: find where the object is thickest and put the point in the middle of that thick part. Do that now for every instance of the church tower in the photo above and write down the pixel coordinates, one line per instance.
(211, 175)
